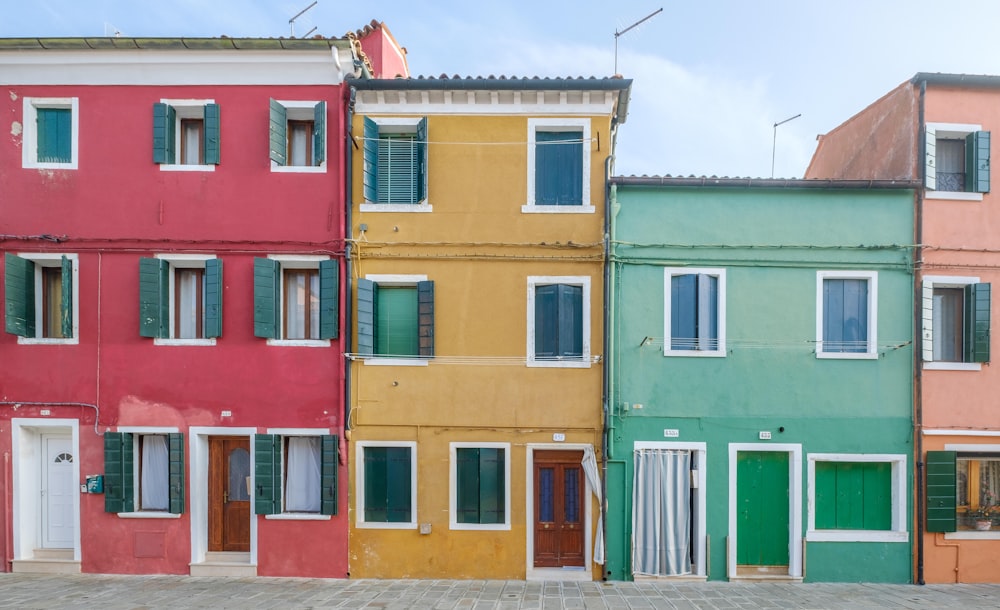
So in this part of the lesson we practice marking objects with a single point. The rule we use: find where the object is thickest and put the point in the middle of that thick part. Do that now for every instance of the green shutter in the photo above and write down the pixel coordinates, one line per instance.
(66, 306)
(213, 298)
(266, 297)
(371, 160)
(55, 135)
(319, 133)
(175, 441)
(977, 323)
(826, 495)
(396, 321)
(329, 299)
(877, 493)
(212, 142)
(329, 463)
(930, 158)
(376, 491)
(164, 134)
(941, 489)
(977, 162)
(19, 296)
(267, 474)
(154, 300)
(119, 486)
(279, 133)
(366, 316)
(425, 318)
(492, 486)
(559, 168)
(467, 484)
(420, 163)
(399, 482)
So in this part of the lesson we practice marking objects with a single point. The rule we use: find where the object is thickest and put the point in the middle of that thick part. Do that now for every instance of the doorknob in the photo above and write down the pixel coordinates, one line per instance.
(225, 497)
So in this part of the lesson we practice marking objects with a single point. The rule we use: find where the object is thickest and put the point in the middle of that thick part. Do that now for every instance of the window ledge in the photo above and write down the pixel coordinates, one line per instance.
(164, 167)
(557, 209)
(377, 361)
(847, 355)
(396, 207)
(71, 165)
(583, 363)
(972, 535)
(953, 366)
(298, 517)
(694, 353)
(298, 169)
(157, 341)
(299, 342)
(953, 195)
(148, 515)
(857, 536)
(480, 527)
(41, 341)
(385, 525)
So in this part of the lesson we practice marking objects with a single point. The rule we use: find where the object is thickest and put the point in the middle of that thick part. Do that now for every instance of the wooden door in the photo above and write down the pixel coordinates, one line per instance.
(559, 486)
(229, 494)
(762, 508)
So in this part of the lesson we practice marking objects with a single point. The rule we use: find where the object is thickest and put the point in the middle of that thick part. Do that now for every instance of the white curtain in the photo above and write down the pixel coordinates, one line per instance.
(155, 484)
(187, 302)
(661, 514)
(590, 469)
(302, 477)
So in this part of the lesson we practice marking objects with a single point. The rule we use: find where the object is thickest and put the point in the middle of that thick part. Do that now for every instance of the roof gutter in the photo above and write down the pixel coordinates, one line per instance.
(491, 84)
(956, 80)
(789, 183)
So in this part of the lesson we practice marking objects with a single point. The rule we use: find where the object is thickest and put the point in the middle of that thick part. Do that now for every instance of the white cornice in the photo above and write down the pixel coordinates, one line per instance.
(481, 102)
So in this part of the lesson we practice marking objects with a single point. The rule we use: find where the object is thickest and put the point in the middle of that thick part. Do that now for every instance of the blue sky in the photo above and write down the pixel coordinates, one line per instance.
(711, 77)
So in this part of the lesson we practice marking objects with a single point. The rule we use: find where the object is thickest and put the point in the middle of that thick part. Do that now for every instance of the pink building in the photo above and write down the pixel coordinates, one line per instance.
(936, 128)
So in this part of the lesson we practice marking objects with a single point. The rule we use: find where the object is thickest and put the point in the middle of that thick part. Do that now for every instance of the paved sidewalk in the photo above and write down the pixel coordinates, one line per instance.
(112, 592)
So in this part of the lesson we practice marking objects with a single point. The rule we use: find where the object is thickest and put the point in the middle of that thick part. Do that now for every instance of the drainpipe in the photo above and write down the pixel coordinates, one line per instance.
(8, 558)
(605, 381)
(918, 409)
(346, 334)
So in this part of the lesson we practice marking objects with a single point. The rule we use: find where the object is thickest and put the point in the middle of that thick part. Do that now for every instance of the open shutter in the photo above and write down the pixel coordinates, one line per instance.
(977, 323)
(213, 298)
(175, 441)
(328, 474)
(927, 321)
(319, 133)
(366, 316)
(941, 483)
(930, 158)
(371, 160)
(420, 164)
(329, 299)
(119, 486)
(212, 142)
(266, 295)
(164, 133)
(425, 318)
(977, 162)
(267, 474)
(19, 296)
(279, 133)
(66, 303)
(154, 302)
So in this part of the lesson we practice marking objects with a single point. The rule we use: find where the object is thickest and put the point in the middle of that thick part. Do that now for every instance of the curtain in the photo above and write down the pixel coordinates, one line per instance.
(155, 486)
(590, 470)
(661, 516)
(302, 477)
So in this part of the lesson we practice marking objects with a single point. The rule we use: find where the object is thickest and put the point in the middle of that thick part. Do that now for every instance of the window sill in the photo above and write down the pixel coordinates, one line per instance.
(298, 169)
(299, 342)
(857, 536)
(953, 195)
(377, 361)
(298, 517)
(953, 366)
(694, 353)
(972, 535)
(183, 341)
(186, 168)
(397, 207)
(386, 525)
(480, 527)
(70, 165)
(847, 355)
(557, 209)
(148, 515)
(583, 363)
(42, 341)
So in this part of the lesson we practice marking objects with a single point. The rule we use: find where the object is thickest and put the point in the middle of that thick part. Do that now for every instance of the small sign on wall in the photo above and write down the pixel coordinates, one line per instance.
(671, 433)
(558, 437)
(765, 435)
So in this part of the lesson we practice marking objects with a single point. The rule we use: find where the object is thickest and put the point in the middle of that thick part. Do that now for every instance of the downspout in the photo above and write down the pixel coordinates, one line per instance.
(346, 335)
(605, 381)
(918, 409)
(7, 532)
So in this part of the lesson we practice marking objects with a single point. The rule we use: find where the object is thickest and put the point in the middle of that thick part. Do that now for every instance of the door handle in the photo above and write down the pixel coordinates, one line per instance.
(225, 497)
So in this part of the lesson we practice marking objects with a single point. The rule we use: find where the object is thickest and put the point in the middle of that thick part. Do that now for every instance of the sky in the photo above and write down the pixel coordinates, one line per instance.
(710, 77)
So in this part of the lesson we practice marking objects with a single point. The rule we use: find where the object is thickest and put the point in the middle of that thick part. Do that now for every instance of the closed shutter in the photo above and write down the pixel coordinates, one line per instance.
(266, 295)
(119, 486)
(278, 133)
(398, 473)
(977, 162)
(366, 316)
(941, 488)
(164, 134)
(570, 321)
(854, 495)
(930, 158)
(845, 315)
(977, 323)
(267, 474)
(558, 168)
(425, 319)
(154, 302)
(175, 441)
(66, 301)
(481, 490)
(546, 321)
(19, 296)
(319, 133)
(329, 463)
(213, 298)
(370, 170)
(329, 299)
(212, 142)
(927, 321)
(420, 163)
(376, 486)
(683, 311)
(55, 129)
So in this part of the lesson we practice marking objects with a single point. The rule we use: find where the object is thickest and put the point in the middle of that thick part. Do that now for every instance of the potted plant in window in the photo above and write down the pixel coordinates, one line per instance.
(983, 516)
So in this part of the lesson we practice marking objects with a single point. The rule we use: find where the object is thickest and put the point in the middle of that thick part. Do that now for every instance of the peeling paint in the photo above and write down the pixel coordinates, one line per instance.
(13, 96)
(16, 128)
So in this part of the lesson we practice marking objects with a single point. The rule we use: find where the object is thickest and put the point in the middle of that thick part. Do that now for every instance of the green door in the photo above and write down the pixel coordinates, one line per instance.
(762, 508)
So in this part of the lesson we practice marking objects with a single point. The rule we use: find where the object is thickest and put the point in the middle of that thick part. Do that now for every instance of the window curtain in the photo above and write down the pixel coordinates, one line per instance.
(590, 470)
(661, 517)
(989, 482)
(188, 283)
(155, 487)
(302, 477)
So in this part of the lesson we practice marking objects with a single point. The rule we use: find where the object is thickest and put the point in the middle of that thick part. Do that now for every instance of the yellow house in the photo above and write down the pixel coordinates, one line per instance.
(476, 257)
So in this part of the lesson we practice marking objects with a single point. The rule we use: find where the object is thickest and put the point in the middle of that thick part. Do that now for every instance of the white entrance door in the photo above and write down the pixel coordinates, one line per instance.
(58, 489)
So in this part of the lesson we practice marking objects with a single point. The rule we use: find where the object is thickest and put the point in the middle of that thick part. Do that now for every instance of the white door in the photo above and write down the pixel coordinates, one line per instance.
(58, 489)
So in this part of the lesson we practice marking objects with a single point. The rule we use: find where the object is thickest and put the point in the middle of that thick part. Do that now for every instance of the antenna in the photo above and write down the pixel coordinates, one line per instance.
(111, 30)
(618, 34)
(291, 22)
(775, 140)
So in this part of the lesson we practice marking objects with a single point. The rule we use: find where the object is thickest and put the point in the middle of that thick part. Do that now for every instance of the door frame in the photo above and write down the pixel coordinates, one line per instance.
(794, 452)
(198, 440)
(531, 572)
(26, 445)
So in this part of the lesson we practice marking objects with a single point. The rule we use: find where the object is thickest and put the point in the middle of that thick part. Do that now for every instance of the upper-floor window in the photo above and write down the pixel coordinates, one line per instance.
(297, 136)
(695, 312)
(296, 299)
(180, 299)
(186, 134)
(957, 160)
(51, 133)
(846, 320)
(395, 164)
(956, 322)
(559, 321)
(396, 316)
(558, 165)
(41, 297)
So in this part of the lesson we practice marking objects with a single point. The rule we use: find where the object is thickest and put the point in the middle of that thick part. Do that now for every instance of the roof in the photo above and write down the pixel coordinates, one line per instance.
(771, 183)
(534, 83)
(223, 43)
(956, 80)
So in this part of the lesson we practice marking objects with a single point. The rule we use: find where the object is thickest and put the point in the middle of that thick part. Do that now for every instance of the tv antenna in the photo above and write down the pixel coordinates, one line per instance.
(775, 139)
(618, 34)
(291, 22)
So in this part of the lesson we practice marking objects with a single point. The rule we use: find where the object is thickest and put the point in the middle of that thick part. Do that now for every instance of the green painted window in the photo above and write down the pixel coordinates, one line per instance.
(388, 484)
(55, 135)
(396, 321)
(189, 309)
(295, 474)
(854, 495)
(395, 163)
(185, 135)
(558, 322)
(48, 314)
(143, 472)
(297, 135)
(480, 485)
(295, 301)
(559, 168)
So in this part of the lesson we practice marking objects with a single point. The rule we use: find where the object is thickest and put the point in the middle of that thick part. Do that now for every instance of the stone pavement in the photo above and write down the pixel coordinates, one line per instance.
(113, 592)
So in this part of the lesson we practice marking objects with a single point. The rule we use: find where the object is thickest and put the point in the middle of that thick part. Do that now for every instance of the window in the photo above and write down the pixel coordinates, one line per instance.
(51, 133)
(180, 299)
(846, 316)
(186, 134)
(957, 160)
(956, 323)
(559, 166)
(396, 316)
(857, 497)
(963, 489)
(297, 135)
(295, 473)
(695, 312)
(559, 321)
(479, 482)
(144, 472)
(296, 299)
(386, 476)
(41, 297)
(395, 164)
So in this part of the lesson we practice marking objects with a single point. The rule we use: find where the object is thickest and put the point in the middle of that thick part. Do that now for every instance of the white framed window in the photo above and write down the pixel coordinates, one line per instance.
(956, 161)
(297, 299)
(186, 135)
(42, 297)
(395, 176)
(479, 486)
(51, 133)
(395, 321)
(846, 314)
(144, 476)
(558, 321)
(303, 463)
(857, 497)
(694, 311)
(559, 151)
(297, 136)
(956, 323)
(386, 479)
(180, 298)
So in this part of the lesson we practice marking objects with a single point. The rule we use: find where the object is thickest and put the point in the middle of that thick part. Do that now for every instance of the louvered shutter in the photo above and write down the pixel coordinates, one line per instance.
(370, 170)
(366, 316)
(930, 158)
(420, 163)
(319, 133)
(329, 299)
(329, 463)
(175, 443)
(266, 291)
(212, 143)
(425, 318)
(213, 298)
(941, 489)
(267, 474)
(19, 296)
(977, 323)
(154, 302)
(164, 134)
(278, 133)
(977, 162)
(66, 302)
(119, 485)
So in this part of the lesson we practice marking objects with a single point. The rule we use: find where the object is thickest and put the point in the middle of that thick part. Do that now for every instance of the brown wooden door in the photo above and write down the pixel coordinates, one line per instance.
(559, 494)
(228, 494)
